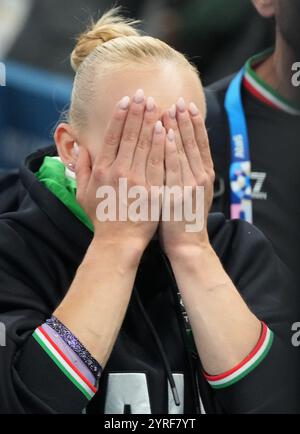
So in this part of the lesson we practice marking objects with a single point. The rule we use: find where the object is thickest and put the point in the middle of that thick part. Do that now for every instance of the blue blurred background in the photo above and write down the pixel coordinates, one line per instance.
(37, 37)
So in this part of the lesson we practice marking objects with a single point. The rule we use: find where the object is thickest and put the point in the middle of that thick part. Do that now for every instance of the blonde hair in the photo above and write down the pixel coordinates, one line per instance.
(111, 42)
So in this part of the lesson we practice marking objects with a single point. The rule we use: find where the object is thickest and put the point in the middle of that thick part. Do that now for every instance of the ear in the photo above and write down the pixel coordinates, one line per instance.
(65, 140)
(266, 8)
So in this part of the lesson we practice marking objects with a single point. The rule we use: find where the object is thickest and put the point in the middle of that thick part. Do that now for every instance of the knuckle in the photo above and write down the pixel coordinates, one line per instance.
(203, 144)
(136, 110)
(148, 186)
(206, 179)
(202, 180)
(99, 172)
(149, 119)
(135, 180)
(175, 127)
(144, 143)
(111, 139)
(185, 122)
(212, 175)
(155, 162)
(190, 143)
(118, 173)
(192, 185)
(181, 151)
(130, 136)
(119, 115)
(172, 123)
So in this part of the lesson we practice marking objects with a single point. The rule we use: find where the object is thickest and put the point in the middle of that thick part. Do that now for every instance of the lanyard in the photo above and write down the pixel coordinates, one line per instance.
(240, 167)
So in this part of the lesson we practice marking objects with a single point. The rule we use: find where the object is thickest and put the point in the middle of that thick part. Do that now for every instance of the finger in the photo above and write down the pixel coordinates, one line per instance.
(113, 134)
(192, 151)
(201, 136)
(155, 163)
(131, 131)
(170, 123)
(144, 144)
(83, 172)
(172, 163)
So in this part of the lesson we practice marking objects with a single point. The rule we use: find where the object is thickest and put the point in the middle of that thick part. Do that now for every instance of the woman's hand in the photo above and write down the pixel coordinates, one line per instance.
(219, 317)
(188, 163)
(133, 150)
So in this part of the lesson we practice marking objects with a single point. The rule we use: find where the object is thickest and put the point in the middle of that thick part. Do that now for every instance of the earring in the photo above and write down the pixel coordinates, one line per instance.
(75, 154)
(71, 166)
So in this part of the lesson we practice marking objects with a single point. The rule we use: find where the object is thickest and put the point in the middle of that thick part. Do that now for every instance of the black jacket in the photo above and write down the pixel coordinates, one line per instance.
(42, 245)
(274, 154)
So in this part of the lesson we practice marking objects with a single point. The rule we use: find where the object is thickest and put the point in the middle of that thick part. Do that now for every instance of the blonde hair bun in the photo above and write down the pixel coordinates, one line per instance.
(110, 26)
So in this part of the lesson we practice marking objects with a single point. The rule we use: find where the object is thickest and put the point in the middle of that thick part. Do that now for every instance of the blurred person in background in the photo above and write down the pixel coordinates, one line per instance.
(209, 27)
(121, 316)
(37, 36)
(207, 30)
(254, 128)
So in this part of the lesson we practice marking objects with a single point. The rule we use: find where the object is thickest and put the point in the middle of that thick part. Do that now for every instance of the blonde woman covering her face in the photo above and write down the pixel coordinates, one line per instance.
(136, 316)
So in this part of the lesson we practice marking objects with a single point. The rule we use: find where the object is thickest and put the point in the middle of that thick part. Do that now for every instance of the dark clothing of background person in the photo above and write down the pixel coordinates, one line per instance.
(274, 136)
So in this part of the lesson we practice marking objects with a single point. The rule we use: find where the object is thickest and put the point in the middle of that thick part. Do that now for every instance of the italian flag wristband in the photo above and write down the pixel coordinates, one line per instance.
(247, 365)
(64, 363)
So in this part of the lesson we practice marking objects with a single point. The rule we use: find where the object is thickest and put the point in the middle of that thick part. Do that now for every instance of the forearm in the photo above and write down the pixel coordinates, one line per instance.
(96, 303)
(224, 329)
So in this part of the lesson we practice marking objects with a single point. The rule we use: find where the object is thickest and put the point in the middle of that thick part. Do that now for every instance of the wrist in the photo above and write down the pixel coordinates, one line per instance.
(200, 265)
(189, 252)
(128, 253)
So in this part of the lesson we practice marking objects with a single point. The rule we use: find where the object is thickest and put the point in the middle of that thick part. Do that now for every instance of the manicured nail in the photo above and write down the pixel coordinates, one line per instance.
(193, 109)
(150, 104)
(171, 135)
(158, 127)
(124, 103)
(181, 105)
(172, 112)
(139, 96)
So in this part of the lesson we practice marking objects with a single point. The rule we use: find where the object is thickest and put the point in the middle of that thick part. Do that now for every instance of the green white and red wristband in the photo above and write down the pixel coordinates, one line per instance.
(247, 365)
(64, 363)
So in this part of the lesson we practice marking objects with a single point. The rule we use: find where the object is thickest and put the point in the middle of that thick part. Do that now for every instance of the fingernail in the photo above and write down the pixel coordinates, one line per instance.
(171, 135)
(181, 105)
(124, 103)
(158, 127)
(193, 109)
(172, 112)
(150, 104)
(139, 96)
(75, 151)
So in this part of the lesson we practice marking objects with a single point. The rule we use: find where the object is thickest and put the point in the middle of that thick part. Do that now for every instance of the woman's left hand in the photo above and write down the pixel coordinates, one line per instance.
(218, 315)
(188, 163)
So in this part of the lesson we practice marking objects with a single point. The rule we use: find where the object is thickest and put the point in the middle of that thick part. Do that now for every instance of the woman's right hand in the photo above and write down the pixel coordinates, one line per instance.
(96, 303)
(133, 149)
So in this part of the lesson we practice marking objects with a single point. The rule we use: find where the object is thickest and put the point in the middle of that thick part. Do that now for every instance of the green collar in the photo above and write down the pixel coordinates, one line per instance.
(60, 182)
